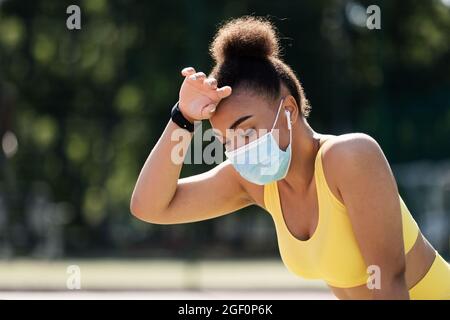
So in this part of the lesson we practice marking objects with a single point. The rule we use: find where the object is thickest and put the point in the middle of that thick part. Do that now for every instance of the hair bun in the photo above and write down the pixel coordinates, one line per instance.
(245, 37)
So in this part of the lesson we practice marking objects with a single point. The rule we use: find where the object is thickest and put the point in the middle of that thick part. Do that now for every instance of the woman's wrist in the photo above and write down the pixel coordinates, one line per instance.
(181, 107)
(181, 119)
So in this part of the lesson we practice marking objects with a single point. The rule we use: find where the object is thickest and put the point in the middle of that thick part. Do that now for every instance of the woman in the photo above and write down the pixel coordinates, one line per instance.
(333, 199)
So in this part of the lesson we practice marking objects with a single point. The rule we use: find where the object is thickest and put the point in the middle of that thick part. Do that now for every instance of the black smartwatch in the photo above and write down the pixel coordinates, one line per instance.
(179, 119)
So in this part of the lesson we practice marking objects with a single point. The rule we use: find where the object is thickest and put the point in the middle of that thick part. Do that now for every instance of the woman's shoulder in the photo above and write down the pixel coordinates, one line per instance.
(343, 155)
(339, 147)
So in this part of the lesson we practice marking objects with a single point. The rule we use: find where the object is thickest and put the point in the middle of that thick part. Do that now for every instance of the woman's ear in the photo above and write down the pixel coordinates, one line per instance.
(291, 105)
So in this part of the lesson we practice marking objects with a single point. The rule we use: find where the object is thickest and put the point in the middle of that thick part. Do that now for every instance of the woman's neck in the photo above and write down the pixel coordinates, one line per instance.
(305, 145)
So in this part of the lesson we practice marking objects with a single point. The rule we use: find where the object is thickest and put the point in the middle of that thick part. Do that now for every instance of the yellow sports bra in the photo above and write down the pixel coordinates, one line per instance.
(332, 252)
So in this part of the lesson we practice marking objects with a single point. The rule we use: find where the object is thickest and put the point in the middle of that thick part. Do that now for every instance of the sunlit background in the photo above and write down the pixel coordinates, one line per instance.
(81, 109)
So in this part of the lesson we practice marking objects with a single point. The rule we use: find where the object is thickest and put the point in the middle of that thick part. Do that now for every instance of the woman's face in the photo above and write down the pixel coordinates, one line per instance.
(243, 117)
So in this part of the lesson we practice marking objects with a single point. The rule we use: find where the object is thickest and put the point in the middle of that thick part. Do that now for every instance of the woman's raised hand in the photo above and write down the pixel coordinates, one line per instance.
(200, 95)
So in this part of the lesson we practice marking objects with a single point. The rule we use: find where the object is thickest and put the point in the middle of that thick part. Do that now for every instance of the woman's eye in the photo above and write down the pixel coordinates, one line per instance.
(249, 132)
(241, 138)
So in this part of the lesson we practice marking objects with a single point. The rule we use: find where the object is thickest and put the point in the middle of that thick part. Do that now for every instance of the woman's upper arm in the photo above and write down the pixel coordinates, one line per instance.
(369, 191)
(205, 196)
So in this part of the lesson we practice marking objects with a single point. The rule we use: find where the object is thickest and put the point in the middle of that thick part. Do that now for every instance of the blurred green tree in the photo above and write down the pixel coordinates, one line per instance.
(88, 105)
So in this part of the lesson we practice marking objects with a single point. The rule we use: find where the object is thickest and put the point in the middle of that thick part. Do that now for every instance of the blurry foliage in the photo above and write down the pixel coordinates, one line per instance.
(87, 106)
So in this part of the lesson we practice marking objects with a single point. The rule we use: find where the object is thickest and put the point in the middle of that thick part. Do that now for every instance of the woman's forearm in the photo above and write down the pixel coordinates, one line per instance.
(157, 181)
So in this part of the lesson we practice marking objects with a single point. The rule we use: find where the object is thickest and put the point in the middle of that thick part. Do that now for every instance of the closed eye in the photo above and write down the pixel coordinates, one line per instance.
(241, 138)
(248, 134)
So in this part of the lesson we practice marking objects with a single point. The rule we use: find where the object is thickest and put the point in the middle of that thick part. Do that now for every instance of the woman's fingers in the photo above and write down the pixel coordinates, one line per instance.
(198, 89)
(224, 92)
(187, 71)
(210, 83)
(198, 76)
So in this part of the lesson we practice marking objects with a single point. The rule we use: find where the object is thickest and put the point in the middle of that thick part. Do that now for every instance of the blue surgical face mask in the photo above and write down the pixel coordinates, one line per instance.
(262, 161)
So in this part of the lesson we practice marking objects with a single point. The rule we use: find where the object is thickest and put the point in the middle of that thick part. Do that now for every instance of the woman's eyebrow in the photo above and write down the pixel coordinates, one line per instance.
(239, 121)
(232, 127)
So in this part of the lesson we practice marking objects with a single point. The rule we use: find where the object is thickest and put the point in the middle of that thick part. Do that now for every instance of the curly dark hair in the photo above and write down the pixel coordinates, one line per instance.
(246, 53)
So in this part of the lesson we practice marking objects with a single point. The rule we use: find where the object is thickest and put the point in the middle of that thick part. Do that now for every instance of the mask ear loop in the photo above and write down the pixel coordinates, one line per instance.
(289, 123)
(278, 113)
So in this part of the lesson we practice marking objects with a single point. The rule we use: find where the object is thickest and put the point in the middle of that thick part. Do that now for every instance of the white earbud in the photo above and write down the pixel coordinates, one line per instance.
(289, 123)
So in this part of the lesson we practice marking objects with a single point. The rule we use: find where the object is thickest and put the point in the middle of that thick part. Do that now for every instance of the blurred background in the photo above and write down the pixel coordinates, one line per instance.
(80, 111)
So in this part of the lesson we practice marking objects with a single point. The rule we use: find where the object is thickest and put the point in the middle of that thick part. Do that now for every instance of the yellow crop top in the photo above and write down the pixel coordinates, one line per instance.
(331, 253)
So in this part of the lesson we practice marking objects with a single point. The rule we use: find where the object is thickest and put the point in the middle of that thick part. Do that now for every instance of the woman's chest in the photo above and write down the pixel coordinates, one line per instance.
(300, 213)
(330, 252)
